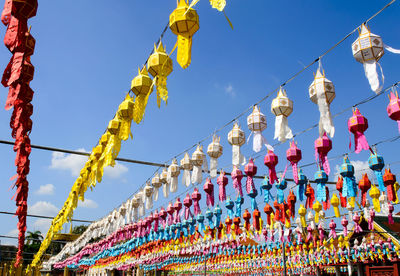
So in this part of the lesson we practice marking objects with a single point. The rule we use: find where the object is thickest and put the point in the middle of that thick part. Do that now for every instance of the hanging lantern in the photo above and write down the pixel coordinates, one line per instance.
(196, 197)
(302, 213)
(114, 126)
(222, 181)
(390, 179)
(339, 187)
(374, 194)
(209, 189)
(357, 125)
(349, 181)
(141, 86)
(160, 66)
(251, 170)
(268, 211)
(293, 154)
(280, 186)
(302, 181)
(393, 108)
(237, 176)
(170, 211)
(322, 146)
(214, 150)
(156, 184)
(148, 191)
(198, 161)
(364, 184)
(317, 207)
(229, 207)
(253, 194)
(257, 122)
(292, 203)
(310, 194)
(266, 186)
(376, 163)
(282, 107)
(368, 49)
(187, 166)
(322, 93)
(321, 178)
(135, 205)
(173, 173)
(237, 138)
(184, 22)
(187, 202)
(335, 204)
(164, 181)
(271, 160)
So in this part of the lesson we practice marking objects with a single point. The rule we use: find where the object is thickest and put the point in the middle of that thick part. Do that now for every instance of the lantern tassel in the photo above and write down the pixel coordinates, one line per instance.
(237, 157)
(213, 167)
(379, 177)
(166, 188)
(282, 130)
(186, 178)
(197, 175)
(140, 106)
(372, 75)
(325, 120)
(155, 194)
(162, 92)
(300, 192)
(295, 172)
(184, 54)
(360, 142)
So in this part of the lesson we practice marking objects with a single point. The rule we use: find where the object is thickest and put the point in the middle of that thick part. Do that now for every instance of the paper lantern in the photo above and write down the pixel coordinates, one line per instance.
(113, 126)
(237, 176)
(390, 179)
(155, 181)
(184, 22)
(196, 197)
(291, 202)
(322, 93)
(187, 202)
(268, 211)
(177, 209)
(335, 203)
(293, 154)
(302, 213)
(271, 160)
(141, 196)
(148, 191)
(321, 178)
(282, 107)
(349, 181)
(374, 194)
(301, 182)
(141, 86)
(209, 190)
(364, 184)
(198, 160)
(222, 181)
(257, 122)
(160, 66)
(135, 205)
(187, 166)
(281, 186)
(358, 124)
(266, 186)
(376, 163)
(251, 170)
(214, 150)
(173, 173)
(310, 194)
(253, 194)
(322, 146)
(165, 182)
(393, 108)
(237, 138)
(24, 9)
(229, 204)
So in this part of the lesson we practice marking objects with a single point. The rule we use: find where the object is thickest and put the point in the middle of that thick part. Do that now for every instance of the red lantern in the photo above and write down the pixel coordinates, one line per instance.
(291, 202)
(393, 108)
(251, 170)
(322, 146)
(293, 154)
(228, 223)
(236, 222)
(177, 208)
(389, 179)
(247, 217)
(364, 184)
(339, 187)
(277, 215)
(358, 124)
(256, 220)
(24, 9)
(271, 160)
(310, 194)
(209, 189)
(268, 211)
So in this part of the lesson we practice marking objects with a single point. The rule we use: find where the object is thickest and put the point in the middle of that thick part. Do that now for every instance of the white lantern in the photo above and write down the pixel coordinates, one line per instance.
(164, 181)
(155, 181)
(322, 93)
(282, 107)
(257, 122)
(173, 173)
(148, 191)
(237, 138)
(135, 205)
(214, 150)
(187, 166)
(199, 161)
(142, 198)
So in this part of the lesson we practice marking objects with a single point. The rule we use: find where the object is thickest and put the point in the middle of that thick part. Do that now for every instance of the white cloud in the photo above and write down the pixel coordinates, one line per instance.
(116, 171)
(88, 203)
(360, 168)
(42, 225)
(230, 91)
(69, 162)
(47, 189)
(13, 233)
(43, 208)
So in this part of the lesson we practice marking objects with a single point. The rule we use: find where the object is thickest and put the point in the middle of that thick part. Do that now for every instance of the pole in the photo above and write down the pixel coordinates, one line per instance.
(284, 259)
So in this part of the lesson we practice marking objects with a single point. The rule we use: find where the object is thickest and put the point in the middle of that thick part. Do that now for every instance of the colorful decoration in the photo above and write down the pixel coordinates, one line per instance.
(357, 125)
(393, 108)
(172, 175)
(155, 181)
(282, 107)
(196, 197)
(237, 177)
(148, 191)
(141, 86)
(322, 146)
(214, 150)
(374, 194)
(322, 93)
(222, 181)
(257, 122)
(209, 190)
(251, 170)
(310, 194)
(199, 161)
(339, 187)
(302, 181)
(293, 154)
(280, 186)
(187, 166)
(364, 184)
(376, 163)
(349, 181)
(271, 160)
(237, 139)
(160, 66)
(166, 184)
(321, 178)
(184, 22)
(335, 204)
(389, 180)
(265, 188)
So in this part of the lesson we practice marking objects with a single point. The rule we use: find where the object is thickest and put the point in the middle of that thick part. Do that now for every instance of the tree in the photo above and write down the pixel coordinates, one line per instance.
(34, 238)
(79, 229)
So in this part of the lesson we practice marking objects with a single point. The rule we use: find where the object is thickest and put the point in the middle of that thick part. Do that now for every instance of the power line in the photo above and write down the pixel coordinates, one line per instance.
(29, 239)
(45, 217)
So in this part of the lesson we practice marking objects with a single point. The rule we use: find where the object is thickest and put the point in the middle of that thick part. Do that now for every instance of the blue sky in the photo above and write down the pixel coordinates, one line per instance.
(86, 55)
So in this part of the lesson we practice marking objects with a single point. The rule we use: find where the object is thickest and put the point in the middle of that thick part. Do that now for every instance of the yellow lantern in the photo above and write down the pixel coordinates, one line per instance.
(141, 86)
(282, 107)
(184, 22)
(160, 66)
(113, 126)
(374, 193)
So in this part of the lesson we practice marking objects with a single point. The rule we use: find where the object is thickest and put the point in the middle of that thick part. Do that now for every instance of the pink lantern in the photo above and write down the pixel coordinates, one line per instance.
(393, 108)
(170, 211)
(222, 181)
(209, 189)
(293, 154)
(177, 208)
(271, 160)
(322, 146)
(196, 197)
(237, 176)
(251, 170)
(187, 202)
(357, 125)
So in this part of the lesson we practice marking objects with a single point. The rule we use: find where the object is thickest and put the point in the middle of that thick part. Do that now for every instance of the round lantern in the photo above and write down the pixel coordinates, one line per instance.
(187, 166)
(349, 181)
(141, 86)
(393, 108)
(364, 184)
(321, 178)
(322, 146)
(196, 197)
(184, 22)
(214, 150)
(257, 122)
(164, 181)
(155, 181)
(148, 191)
(376, 163)
(173, 173)
(282, 107)
(271, 160)
(368, 49)
(198, 160)
(358, 124)
(160, 66)
(237, 138)
(390, 179)
(322, 93)
(293, 154)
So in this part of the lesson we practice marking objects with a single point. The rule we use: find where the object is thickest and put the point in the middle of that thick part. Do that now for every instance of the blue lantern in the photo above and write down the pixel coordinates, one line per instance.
(280, 186)
(239, 202)
(253, 194)
(217, 214)
(200, 220)
(209, 217)
(349, 181)
(229, 206)
(301, 184)
(321, 178)
(265, 188)
(376, 163)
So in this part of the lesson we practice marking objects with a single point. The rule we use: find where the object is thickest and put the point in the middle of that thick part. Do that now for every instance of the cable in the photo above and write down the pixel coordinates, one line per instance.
(16, 238)
(45, 217)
